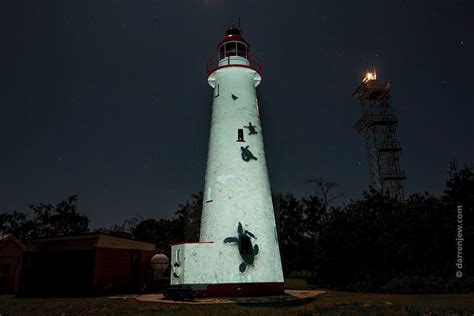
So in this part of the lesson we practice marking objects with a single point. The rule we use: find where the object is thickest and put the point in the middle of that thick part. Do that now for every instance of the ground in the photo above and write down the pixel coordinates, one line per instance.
(329, 303)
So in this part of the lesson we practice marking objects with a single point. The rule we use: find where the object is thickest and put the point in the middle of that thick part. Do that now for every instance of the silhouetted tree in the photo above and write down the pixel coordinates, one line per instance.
(459, 198)
(378, 243)
(290, 230)
(48, 221)
(324, 191)
(18, 224)
(161, 232)
(125, 229)
(189, 214)
(62, 219)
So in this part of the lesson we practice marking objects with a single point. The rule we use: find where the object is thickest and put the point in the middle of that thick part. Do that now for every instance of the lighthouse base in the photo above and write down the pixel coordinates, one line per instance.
(183, 292)
(208, 269)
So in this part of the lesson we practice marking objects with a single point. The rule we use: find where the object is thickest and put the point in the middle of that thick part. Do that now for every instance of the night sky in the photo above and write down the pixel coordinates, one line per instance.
(109, 99)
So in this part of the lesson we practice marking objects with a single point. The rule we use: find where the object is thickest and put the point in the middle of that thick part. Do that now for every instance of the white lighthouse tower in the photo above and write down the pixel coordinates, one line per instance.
(238, 253)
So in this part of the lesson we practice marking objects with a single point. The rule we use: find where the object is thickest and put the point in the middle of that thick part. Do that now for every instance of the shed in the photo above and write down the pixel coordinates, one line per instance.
(85, 265)
(11, 251)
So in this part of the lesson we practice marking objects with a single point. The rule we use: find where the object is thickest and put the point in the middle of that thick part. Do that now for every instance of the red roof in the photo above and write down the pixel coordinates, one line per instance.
(233, 34)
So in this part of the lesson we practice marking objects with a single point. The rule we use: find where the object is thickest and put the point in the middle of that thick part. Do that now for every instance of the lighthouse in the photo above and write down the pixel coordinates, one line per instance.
(238, 252)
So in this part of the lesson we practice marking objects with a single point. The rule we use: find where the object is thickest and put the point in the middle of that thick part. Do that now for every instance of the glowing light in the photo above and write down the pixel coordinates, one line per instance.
(370, 75)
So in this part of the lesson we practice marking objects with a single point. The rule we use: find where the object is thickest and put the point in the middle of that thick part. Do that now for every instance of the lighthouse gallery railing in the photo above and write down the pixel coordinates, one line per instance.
(215, 63)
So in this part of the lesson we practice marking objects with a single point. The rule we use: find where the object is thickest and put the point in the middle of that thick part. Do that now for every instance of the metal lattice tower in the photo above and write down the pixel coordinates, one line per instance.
(378, 124)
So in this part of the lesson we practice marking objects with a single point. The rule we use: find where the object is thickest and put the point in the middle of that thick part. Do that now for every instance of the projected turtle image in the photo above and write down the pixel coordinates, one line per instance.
(252, 129)
(247, 154)
(246, 249)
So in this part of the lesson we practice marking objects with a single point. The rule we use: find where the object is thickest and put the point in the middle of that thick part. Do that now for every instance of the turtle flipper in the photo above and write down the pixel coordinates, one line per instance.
(242, 267)
(229, 240)
(255, 250)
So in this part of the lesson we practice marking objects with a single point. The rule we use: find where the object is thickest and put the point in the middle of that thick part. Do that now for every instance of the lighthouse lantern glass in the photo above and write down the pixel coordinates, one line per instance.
(222, 52)
(233, 49)
(241, 50)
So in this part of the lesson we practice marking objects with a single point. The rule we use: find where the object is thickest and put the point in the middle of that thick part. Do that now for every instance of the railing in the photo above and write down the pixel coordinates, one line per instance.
(241, 53)
(251, 62)
(389, 146)
(394, 175)
(373, 90)
(370, 119)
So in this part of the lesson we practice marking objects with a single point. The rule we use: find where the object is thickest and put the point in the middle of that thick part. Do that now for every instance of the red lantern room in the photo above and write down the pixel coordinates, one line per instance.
(233, 44)
(233, 51)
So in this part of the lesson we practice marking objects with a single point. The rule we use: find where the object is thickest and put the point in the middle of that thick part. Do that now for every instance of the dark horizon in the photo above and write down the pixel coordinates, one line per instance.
(110, 100)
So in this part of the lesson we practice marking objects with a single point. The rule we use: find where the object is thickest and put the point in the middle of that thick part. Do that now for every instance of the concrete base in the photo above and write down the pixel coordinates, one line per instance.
(232, 290)
(200, 264)
(288, 298)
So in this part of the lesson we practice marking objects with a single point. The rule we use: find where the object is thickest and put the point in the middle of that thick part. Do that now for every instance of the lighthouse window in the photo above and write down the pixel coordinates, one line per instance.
(231, 49)
(240, 135)
(221, 52)
(242, 50)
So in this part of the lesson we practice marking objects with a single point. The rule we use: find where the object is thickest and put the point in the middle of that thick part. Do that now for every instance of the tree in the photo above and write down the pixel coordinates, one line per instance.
(290, 230)
(161, 232)
(183, 227)
(16, 223)
(459, 201)
(460, 186)
(189, 214)
(357, 243)
(324, 190)
(48, 221)
(62, 219)
(124, 229)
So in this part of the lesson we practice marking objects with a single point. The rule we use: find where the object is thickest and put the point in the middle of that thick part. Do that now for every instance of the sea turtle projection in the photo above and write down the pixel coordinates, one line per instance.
(247, 154)
(246, 250)
(252, 129)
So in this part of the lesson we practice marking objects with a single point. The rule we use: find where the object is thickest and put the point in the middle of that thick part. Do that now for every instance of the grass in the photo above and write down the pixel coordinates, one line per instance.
(330, 303)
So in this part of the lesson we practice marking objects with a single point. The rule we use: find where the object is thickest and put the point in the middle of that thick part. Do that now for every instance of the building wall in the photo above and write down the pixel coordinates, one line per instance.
(10, 262)
(112, 269)
(145, 268)
(84, 265)
(118, 270)
(56, 273)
